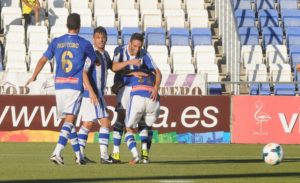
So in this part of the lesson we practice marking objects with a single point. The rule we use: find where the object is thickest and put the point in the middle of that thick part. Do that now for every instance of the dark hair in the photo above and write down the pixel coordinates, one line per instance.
(73, 21)
(137, 36)
(100, 30)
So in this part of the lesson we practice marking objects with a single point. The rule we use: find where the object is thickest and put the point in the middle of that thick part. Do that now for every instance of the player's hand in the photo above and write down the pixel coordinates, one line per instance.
(94, 98)
(154, 94)
(30, 80)
(136, 62)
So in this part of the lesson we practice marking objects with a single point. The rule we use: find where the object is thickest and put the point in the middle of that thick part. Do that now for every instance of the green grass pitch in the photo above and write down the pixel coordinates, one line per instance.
(29, 162)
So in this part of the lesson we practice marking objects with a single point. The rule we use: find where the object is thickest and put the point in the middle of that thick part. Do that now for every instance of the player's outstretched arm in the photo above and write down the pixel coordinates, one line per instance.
(37, 70)
(154, 94)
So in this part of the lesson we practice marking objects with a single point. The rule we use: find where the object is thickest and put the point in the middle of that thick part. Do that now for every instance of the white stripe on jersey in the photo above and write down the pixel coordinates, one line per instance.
(152, 61)
(98, 79)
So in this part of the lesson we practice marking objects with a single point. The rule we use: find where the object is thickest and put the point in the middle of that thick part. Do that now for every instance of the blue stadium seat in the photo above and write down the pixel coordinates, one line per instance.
(179, 37)
(287, 4)
(215, 89)
(155, 36)
(245, 18)
(248, 35)
(264, 4)
(294, 49)
(285, 89)
(295, 59)
(265, 89)
(86, 30)
(290, 18)
(292, 36)
(127, 32)
(242, 4)
(201, 36)
(112, 36)
(260, 89)
(87, 33)
(272, 36)
(268, 18)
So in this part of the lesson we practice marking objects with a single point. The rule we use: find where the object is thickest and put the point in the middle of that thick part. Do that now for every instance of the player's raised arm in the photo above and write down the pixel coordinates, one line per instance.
(117, 66)
(118, 62)
(40, 65)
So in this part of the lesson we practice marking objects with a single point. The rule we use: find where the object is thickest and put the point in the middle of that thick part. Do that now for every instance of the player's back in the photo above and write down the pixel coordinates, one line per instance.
(142, 86)
(70, 52)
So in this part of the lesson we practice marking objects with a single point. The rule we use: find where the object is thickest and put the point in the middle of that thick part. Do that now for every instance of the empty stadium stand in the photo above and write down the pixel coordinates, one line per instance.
(181, 35)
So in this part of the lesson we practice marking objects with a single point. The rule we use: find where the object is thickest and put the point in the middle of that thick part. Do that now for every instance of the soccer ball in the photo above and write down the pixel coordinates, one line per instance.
(272, 154)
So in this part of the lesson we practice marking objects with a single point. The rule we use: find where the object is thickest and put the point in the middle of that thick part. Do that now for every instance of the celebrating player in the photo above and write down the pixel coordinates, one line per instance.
(144, 103)
(91, 113)
(73, 56)
(128, 57)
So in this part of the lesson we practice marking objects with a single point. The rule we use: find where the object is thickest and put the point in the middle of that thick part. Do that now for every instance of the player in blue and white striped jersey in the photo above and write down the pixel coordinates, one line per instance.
(97, 113)
(123, 59)
(144, 104)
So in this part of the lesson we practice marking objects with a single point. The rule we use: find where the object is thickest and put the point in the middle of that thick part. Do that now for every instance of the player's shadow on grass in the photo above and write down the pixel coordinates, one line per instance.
(169, 178)
(221, 161)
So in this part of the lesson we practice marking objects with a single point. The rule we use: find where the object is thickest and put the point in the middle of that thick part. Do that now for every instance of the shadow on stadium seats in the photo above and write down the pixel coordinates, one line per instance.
(167, 178)
(221, 161)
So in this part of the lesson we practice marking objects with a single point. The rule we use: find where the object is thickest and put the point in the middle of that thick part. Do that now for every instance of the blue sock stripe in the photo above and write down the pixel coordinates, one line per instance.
(128, 137)
(76, 147)
(104, 136)
(82, 136)
(117, 142)
(66, 128)
(144, 138)
(132, 145)
(73, 135)
(62, 140)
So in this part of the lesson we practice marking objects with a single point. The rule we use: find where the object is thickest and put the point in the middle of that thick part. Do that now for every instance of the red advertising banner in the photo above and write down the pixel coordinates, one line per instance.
(264, 119)
(178, 113)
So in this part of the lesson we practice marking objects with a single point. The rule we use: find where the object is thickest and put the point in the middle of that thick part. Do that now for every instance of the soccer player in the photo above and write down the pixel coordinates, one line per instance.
(91, 113)
(144, 103)
(73, 55)
(123, 57)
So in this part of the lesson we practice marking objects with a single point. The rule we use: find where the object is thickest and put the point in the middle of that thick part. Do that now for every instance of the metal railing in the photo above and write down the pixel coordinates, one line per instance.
(230, 40)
